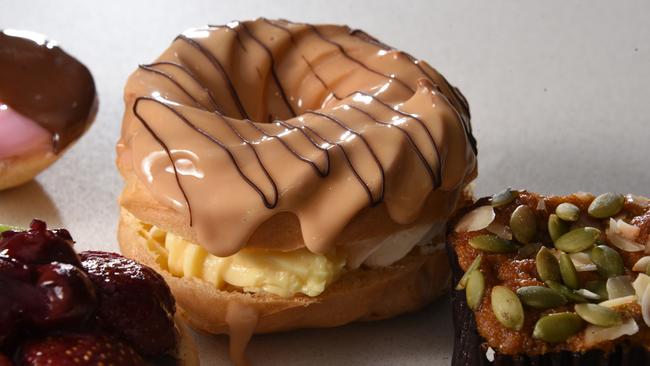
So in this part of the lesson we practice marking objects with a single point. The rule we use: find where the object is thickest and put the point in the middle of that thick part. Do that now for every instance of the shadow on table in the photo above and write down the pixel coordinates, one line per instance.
(421, 338)
(18, 206)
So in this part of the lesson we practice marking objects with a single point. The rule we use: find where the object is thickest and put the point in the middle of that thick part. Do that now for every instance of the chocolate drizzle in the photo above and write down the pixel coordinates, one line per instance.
(323, 124)
(459, 97)
(42, 82)
(219, 67)
(373, 200)
(273, 71)
(268, 203)
(154, 68)
(345, 53)
(320, 172)
(435, 178)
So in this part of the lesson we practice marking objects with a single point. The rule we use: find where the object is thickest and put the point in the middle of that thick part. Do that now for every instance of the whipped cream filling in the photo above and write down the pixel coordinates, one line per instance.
(382, 252)
(21, 135)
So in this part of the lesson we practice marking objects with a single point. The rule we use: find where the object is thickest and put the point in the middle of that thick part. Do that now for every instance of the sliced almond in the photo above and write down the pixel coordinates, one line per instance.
(500, 230)
(475, 220)
(620, 286)
(626, 230)
(641, 284)
(642, 264)
(645, 307)
(619, 241)
(582, 262)
(613, 303)
(595, 334)
(489, 354)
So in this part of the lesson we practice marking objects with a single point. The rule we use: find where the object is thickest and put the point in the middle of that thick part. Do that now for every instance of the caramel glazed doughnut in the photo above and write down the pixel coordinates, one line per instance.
(285, 175)
(47, 101)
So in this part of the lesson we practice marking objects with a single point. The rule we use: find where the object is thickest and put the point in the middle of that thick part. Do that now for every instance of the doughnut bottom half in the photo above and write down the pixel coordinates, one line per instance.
(358, 295)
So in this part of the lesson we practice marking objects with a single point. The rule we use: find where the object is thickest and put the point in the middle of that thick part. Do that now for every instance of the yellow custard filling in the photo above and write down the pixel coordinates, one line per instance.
(251, 270)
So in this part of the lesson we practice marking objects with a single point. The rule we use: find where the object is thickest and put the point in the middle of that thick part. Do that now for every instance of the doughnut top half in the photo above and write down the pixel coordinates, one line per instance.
(240, 125)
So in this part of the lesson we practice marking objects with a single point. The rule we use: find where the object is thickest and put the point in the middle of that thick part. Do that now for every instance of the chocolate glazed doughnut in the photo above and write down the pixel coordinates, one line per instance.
(283, 137)
(46, 95)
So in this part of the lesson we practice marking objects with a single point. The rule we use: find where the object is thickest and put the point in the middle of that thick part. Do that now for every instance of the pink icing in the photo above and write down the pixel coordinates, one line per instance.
(20, 135)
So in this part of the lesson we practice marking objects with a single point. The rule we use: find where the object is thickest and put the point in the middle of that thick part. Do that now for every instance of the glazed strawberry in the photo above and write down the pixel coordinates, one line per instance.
(7, 325)
(39, 245)
(79, 350)
(12, 268)
(5, 361)
(19, 301)
(70, 295)
(54, 311)
(134, 301)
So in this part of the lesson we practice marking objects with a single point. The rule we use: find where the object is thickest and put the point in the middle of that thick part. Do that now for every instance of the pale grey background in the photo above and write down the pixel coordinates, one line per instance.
(559, 94)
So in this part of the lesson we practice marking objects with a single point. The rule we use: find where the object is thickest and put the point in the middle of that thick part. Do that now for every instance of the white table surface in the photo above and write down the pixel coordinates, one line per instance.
(560, 98)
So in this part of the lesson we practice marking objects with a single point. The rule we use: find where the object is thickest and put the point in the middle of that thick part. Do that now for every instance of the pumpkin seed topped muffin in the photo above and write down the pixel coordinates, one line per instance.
(552, 279)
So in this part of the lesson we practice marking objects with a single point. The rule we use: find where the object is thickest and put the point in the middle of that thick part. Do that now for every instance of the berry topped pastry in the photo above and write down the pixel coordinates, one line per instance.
(58, 307)
(552, 280)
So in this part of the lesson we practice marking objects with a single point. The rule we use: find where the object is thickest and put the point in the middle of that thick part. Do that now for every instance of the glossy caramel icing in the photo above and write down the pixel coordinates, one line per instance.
(234, 125)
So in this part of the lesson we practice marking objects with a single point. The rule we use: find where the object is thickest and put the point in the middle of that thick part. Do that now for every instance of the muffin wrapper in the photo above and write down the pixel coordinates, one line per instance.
(470, 348)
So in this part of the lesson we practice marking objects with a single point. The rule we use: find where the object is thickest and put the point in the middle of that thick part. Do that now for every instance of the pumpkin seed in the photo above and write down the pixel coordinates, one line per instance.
(528, 250)
(598, 287)
(523, 223)
(608, 261)
(475, 288)
(492, 244)
(555, 328)
(565, 291)
(577, 240)
(507, 308)
(504, 197)
(567, 211)
(606, 205)
(557, 227)
(475, 264)
(540, 297)
(598, 315)
(548, 268)
(568, 271)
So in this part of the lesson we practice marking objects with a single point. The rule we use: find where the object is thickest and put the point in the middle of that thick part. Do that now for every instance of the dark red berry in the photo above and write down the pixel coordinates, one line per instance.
(37, 225)
(9, 267)
(134, 301)
(5, 361)
(39, 245)
(63, 234)
(7, 323)
(79, 350)
(70, 295)
(19, 301)
(7, 234)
